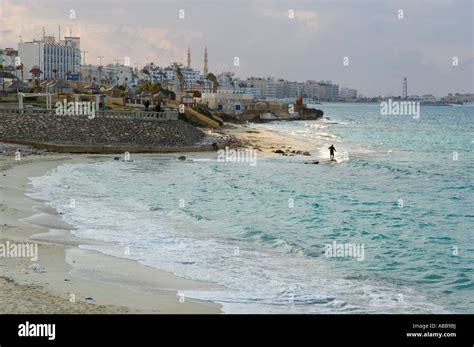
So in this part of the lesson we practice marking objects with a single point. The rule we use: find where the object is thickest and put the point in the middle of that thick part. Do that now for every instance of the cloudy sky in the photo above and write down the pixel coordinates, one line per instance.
(381, 48)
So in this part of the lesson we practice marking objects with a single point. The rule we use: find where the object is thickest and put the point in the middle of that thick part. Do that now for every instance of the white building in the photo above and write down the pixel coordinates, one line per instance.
(226, 80)
(190, 76)
(328, 91)
(271, 89)
(260, 84)
(347, 93)
(63, 56)
(311, 90)
(228, 101)
(170, 78)
(109, 75)
(250, 91)
(8, 56)
(428, 98)
(276, 89)
(153, 73)
(119, 74)
(140, 75)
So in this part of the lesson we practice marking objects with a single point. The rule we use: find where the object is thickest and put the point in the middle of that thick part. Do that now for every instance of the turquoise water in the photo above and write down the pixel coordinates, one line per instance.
(259, 232)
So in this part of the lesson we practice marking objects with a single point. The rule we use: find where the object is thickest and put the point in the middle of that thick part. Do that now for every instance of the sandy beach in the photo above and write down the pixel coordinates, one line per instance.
(267, 141)
(77, 280)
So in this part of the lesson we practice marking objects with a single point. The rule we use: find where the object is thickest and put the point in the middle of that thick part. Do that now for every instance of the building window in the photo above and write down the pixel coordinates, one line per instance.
(237, 107)
(219, 107)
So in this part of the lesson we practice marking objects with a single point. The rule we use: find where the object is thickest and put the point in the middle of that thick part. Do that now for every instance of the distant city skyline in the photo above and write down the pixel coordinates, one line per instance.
(358, 44)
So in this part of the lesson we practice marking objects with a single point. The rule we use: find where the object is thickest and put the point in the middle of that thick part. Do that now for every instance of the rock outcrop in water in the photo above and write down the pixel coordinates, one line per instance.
(268, 111)
(287, 151)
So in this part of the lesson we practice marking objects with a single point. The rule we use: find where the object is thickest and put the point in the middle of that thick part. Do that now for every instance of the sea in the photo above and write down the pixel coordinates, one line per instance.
(388, 228)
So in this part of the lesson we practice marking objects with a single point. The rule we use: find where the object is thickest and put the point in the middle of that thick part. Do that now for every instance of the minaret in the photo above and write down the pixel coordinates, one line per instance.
(189, 57)
(205, 71)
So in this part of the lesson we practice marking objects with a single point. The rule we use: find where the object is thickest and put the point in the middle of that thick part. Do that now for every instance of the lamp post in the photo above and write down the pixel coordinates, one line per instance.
(37, 82)
(3, 77)
(102, 98)
(39, 57)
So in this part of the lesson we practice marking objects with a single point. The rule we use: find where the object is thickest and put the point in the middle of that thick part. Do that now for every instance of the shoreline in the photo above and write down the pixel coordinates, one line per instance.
(100, 283)
(266, 141)
(97, 149)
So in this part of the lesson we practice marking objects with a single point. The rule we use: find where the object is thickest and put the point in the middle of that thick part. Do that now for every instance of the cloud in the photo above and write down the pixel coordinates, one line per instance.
(142, 42)
(307, 19)
(382, 49)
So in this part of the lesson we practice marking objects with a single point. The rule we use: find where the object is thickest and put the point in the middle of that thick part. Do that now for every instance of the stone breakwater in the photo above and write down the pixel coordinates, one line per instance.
(100, 132)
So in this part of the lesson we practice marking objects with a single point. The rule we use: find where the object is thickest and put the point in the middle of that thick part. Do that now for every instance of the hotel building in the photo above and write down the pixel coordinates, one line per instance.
(47, 54)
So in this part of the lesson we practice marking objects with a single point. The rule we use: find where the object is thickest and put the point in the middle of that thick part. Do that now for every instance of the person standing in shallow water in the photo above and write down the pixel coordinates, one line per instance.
(332, 149)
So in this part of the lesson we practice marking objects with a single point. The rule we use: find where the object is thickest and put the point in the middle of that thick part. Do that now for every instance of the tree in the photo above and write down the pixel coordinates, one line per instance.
(147, 87)
(156, 87)
(105, 81)
(134, 75)
(169, 94)
(36, 72)
(201, 83)
(164, 77)
(213, 79)
(55, 74)
(231, 80)
(179, 75)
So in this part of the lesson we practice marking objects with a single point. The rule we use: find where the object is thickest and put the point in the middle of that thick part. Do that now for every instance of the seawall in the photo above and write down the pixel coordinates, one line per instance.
(80, 134)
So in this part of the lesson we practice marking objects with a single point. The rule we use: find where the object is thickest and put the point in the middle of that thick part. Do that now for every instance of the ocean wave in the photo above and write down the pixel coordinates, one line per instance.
(328, 121)
(237, 229)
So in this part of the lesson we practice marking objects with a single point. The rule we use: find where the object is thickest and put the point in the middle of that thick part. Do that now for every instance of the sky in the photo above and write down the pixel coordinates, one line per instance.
(378, 47)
